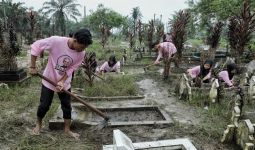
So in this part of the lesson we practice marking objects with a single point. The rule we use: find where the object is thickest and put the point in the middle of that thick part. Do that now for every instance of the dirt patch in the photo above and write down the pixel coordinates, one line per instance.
(156, 94)
(134, 115)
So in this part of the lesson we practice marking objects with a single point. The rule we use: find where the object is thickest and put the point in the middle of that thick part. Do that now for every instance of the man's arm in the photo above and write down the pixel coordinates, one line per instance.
(32, 68)
(61, 82)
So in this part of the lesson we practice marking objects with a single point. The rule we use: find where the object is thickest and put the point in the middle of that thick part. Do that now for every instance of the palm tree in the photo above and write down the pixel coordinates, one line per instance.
(60, 11)
(136, 14)
(15, 13)
(179, 25)
(240, 30)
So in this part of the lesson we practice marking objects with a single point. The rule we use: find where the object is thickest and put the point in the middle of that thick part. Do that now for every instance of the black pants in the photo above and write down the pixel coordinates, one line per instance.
(46, 100)
(167, 65)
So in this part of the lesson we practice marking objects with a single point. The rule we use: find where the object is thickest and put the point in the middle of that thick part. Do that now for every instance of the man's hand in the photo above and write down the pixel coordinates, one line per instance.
(60, 86)
(156, 62)
(33, 71)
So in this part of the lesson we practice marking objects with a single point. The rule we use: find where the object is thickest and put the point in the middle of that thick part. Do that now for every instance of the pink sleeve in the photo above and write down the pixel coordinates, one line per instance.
(193, 72)
(103, 66)
(38, 46)
(159, 54)
(117, 66)
(224, 76)
(75, 66)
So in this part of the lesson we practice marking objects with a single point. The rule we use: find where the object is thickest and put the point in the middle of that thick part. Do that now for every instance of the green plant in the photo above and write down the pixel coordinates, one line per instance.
(113, 86)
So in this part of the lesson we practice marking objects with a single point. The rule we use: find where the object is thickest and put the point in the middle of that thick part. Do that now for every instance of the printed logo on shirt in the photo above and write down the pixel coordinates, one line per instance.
(63, 63)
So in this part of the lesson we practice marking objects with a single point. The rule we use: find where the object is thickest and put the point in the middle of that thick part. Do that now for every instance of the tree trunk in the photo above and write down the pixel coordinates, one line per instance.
(212, 52)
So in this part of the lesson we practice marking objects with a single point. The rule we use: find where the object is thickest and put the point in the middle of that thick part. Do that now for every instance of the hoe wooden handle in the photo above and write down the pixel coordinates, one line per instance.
(100, 113)
(149, 65)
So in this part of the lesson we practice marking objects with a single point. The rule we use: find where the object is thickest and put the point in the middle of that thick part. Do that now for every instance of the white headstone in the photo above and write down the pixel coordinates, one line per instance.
(121, 141)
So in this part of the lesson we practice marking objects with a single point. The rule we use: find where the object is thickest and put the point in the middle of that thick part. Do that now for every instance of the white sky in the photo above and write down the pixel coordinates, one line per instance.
(124, 7)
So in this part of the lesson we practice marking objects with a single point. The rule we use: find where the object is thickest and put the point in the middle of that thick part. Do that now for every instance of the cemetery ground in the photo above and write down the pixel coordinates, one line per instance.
(203, 127)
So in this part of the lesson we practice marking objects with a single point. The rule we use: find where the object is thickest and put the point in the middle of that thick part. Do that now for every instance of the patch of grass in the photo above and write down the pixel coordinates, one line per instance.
(113, 86)
(18, 114)
(51, 141)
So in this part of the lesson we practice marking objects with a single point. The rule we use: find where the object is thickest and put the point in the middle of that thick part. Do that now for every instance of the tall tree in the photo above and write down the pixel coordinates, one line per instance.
(214, 38)
(140, 31)
(60, 11)
(103, 20)
(150, 33)
(207, 11)
(240, 31)
(136, 14)
(179, 31)
(159, 31)
(15, 13)
(9, 48)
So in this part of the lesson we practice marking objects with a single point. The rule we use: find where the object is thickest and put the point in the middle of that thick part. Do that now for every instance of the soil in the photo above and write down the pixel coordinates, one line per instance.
(134, 115)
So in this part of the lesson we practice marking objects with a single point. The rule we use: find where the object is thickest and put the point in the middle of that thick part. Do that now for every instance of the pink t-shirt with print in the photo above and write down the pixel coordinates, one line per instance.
(61, 59)
(195, 71)
(107, 68)
(223, 75)
(166, 50)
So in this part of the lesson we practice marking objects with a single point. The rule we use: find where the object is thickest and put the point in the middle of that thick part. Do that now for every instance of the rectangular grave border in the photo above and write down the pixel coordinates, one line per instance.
(56, 123)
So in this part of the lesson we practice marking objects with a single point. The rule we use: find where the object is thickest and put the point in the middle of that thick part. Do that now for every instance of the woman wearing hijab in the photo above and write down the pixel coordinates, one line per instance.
(112, 65)
(203, 71)
(227, 75)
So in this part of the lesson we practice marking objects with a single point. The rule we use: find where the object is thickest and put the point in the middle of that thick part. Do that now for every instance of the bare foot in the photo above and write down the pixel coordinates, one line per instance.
(72, 134)
(36, 130)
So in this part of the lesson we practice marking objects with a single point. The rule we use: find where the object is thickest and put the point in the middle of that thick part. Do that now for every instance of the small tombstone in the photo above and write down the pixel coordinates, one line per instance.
(121, 141)
(214, 90)
(251, 91)
(228, 134)
(245, 133)
(236, 114)
(184, 90)
(4, 86)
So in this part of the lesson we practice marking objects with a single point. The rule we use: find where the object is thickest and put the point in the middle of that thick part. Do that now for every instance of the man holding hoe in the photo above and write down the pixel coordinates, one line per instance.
(65, 56)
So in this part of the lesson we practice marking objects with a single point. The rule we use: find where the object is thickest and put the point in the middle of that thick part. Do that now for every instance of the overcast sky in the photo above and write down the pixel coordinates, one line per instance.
(124, 7)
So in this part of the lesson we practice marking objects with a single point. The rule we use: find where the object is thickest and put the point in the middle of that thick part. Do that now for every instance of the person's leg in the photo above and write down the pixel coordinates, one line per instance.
(166, 68)
(45, 102)
(67, 110)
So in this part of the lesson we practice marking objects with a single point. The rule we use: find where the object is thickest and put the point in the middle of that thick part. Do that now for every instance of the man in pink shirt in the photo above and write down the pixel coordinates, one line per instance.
(65, 56)
(166, 50)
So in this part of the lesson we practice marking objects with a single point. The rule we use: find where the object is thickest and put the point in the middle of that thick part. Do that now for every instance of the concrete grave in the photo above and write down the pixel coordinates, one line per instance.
(119, 116)
(123, 142)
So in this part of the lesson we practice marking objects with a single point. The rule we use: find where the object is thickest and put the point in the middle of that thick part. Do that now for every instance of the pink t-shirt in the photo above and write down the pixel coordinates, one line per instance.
(107, 68)
(166, 49)
(223, 75)
(194, 72)
(61, 59)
